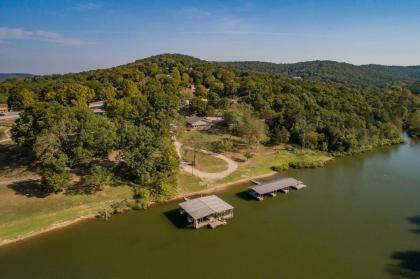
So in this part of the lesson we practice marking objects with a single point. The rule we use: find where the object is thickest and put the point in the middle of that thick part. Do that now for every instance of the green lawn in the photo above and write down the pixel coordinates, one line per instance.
(188, 183)
(22, 213)
(204, 162)
(264, 158)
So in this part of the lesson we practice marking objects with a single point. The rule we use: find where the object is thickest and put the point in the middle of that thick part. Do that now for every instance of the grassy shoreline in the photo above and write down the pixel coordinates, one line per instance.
(26, 214)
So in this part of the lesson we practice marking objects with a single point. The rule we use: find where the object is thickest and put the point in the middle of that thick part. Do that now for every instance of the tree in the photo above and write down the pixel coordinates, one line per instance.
(414, 124)
(55, 175)
(97, 179)
(198, 106)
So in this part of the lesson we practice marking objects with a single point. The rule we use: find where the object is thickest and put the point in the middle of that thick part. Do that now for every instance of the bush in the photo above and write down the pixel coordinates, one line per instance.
(281, 167)
(224, 145)
(119, 207)
(143, 198)
(306, 164)
(98, 178)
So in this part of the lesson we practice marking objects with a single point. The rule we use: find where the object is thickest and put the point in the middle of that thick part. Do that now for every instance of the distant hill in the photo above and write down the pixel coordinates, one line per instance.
(336, 72)
(4, 76)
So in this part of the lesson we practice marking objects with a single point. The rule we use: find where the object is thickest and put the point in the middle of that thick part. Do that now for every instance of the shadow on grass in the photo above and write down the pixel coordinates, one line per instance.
(29, 188)
(12, 158)
(177, 219)
(407, 263)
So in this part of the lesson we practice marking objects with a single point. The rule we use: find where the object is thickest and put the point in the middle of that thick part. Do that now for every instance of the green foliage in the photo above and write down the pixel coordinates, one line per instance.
(240, 121)
(55, 176)
(335, 72)
(281, 167)
(306, 164)
(97, 179)
(198, 106)
(224, 145)
(334, 108)
(414, 124)
(143, 198)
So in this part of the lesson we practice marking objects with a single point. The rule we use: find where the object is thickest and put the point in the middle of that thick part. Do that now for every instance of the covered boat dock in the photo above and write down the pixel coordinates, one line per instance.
(207, 211)
(283, 185)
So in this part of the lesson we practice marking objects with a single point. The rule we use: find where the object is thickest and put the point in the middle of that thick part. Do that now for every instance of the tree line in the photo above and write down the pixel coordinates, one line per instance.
(132, 141)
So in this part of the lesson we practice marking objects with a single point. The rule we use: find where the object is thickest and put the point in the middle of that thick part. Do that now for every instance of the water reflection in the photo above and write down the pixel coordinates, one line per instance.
(407, 262)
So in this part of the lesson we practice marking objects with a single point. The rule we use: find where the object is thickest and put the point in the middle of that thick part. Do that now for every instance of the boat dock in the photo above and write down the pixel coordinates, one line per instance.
(271, 188)
(207, 211)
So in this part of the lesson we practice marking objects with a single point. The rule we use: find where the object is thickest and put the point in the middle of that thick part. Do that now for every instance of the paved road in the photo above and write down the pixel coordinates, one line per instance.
(232, 165)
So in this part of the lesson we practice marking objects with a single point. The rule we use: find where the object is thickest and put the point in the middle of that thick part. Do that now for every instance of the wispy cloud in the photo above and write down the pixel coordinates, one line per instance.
(85, 6)
(7, 34)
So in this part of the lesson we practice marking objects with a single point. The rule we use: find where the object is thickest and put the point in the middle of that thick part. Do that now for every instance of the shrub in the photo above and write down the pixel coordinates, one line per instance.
(98, 178)
(281, 167)
(143, 198)
(306, 164)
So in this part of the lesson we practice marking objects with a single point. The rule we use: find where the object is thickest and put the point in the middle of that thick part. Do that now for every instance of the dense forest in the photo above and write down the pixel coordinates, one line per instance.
(132, 140)
(4, 76)
(340, 73)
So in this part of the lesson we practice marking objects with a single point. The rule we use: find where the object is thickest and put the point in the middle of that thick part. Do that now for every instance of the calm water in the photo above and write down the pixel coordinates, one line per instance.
(358, 218)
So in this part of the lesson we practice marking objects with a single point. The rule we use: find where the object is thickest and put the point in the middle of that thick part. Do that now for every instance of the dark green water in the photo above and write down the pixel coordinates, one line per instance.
(358, 218)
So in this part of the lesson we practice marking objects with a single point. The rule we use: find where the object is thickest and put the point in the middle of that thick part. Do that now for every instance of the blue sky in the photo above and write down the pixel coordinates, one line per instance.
(67, 36)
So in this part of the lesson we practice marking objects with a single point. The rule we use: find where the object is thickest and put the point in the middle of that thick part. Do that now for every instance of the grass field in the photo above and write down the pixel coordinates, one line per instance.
(204, 162)
(265, 158)
(24, 211)
(188, 183)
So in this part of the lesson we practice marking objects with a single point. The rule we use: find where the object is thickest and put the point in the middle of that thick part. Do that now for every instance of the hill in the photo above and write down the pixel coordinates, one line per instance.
(4, 76)
(336, 72)
(145, 101)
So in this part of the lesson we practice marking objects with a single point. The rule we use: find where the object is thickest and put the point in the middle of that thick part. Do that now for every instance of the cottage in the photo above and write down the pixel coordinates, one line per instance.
(202, 123)
(3, 108)
(198, 123)
(207, 211)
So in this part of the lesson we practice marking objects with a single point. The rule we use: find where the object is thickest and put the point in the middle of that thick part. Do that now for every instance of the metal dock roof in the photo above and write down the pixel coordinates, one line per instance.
(275, 185)
(205, 206)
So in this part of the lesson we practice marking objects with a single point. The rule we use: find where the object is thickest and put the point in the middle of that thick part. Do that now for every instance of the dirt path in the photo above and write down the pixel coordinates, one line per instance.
(8, 136)
(232, 165)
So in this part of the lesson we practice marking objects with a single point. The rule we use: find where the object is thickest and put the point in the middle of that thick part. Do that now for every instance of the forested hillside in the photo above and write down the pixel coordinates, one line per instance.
(342, 73)
(4, 76)
(132, 140)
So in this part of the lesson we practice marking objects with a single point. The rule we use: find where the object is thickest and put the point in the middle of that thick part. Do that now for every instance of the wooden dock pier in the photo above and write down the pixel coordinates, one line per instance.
(207, 211)
(271, 188)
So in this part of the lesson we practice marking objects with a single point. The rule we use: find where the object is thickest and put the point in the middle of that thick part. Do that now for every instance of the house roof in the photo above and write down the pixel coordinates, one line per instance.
(204, 206)
(194, 119)
(275, 185)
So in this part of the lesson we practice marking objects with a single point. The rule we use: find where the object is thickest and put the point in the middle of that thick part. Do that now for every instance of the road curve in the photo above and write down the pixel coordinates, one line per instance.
(232, 165)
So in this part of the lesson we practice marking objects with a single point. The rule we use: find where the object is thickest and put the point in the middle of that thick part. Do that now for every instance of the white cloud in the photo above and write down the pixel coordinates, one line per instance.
(38, 35)
(85, 7)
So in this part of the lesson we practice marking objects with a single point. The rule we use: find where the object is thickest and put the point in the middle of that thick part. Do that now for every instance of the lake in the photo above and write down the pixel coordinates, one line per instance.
(359, 217)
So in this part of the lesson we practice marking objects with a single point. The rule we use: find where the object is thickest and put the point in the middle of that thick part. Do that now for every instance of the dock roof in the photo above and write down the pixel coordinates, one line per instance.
(205, 206)
(275, 185)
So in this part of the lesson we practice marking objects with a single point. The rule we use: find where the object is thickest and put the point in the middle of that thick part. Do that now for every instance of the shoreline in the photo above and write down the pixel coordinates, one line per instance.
(64, 224)
(53, 227)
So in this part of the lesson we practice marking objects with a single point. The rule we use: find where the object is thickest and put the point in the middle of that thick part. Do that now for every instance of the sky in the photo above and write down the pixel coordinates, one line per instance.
(43, 37)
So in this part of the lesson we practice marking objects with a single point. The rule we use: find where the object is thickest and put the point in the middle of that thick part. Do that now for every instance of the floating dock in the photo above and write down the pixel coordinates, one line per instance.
(207, 211)
(271, 188)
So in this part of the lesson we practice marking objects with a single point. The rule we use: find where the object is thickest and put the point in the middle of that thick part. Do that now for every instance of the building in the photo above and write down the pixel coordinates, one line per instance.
(97, 107)
(202, 123)
(206, 211)
(3, 108)
(198, 123)
(273, 187)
